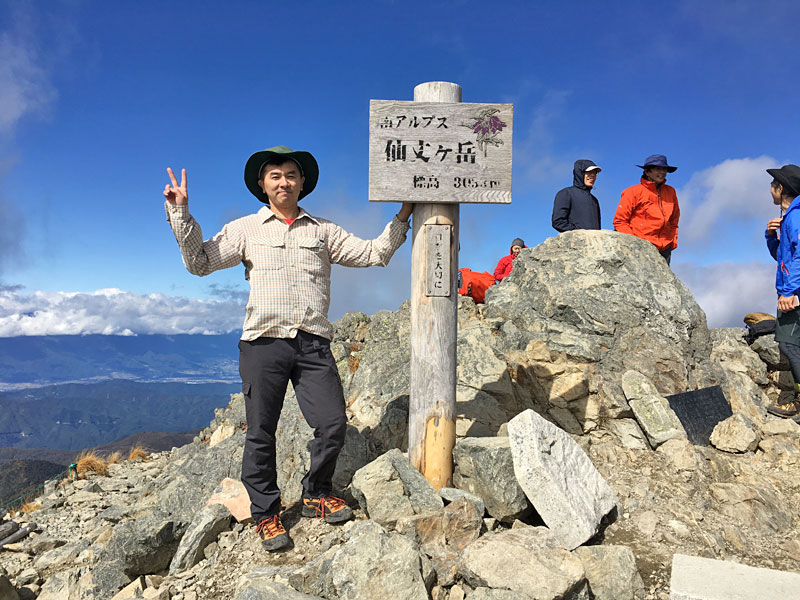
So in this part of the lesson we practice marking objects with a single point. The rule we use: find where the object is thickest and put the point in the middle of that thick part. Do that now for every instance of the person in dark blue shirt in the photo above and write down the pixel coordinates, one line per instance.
(575, 207)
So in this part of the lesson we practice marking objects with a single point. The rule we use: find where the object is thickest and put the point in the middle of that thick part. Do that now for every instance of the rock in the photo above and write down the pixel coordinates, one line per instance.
(63, 585)
(207, 525)
(602, 299)
(682, 454)
(133, 590)
(559, 479)
(652, 410)
(696, 578)
(261, 588)
(730, 350)
(371, 565)
(612, 572)
(780, 427)
(548, 573)
(484, 467)
(629, 433)
(484, 593)
(61, 556)
(233, 495)
(751, 506)
(735, 434)
(221, 433)
(767, 349)
(389, 488)
(452, 494)
(142, 546)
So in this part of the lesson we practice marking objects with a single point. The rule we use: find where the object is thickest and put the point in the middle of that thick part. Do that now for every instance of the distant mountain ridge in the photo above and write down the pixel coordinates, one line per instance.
(43, 360)
(73, 416)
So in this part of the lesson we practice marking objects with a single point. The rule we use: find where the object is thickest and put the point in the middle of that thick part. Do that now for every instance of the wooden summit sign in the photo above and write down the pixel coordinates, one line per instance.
(440, 152)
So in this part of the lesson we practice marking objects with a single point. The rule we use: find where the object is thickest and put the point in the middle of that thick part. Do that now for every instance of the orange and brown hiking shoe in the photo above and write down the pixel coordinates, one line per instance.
(328, 508)
(273, 535)
(789, 409)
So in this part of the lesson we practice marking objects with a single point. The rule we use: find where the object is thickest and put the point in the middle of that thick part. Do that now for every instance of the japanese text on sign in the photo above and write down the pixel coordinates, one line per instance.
(437, 260)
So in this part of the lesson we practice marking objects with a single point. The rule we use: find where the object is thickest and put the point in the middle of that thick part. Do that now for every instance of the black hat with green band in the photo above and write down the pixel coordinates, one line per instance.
(307, 163)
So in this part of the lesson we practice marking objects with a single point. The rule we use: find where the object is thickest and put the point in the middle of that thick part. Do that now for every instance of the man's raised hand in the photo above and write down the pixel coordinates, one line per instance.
(176, 194)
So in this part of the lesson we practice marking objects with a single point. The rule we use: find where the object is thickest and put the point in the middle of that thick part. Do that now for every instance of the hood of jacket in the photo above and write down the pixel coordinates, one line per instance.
(578, 171)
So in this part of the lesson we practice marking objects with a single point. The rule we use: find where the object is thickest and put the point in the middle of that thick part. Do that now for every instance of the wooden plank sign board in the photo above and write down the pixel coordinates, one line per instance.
(440, 152)
(699, 412)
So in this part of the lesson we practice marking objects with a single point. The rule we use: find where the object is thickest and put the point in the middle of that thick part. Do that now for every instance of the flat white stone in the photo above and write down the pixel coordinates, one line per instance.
(558, 478)
(696, 578)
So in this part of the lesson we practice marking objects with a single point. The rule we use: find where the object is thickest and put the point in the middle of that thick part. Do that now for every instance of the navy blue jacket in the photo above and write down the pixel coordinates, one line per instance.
(575, 207)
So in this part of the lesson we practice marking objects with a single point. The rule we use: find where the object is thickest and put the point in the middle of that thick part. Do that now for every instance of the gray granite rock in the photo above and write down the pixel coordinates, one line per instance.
(484, 467)
(612, 572)
(735, 434)
(548, 574)
(559, 479)
(371, 565)
(389, 488)
(651, 409)
(451, 494)
(208, 523)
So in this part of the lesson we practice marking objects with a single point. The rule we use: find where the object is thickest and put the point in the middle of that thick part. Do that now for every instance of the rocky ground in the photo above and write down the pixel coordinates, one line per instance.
(562, 418)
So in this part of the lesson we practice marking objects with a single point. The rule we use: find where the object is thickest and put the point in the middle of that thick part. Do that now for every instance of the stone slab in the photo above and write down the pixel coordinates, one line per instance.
(651, 409)
(697, 578)
(559, 479)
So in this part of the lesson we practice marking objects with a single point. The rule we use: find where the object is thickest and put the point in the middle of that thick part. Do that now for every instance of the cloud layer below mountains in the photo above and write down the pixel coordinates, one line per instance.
(113, 312)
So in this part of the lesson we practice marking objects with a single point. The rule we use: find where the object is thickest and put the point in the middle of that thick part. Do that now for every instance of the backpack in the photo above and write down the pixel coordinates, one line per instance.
(474, 284)
(758, 324)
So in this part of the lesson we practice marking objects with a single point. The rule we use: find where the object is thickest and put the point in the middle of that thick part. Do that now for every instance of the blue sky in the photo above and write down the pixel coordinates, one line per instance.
(98, 98)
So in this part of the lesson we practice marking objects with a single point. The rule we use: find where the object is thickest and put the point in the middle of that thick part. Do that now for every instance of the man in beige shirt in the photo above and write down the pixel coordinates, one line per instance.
(287, 255)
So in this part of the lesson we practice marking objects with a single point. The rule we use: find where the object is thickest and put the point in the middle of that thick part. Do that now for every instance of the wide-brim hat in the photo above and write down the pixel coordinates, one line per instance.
(307, 163)
(657, 160)
(789, 177)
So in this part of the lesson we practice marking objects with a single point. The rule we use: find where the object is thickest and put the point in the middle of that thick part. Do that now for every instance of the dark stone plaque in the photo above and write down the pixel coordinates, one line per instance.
(700, 411)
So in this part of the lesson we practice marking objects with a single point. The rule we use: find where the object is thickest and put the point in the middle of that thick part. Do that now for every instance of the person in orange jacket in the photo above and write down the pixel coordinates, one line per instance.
(504, 265)
(650, 209)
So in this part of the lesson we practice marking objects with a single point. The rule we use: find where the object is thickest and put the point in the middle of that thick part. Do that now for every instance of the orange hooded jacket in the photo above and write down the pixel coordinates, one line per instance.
(650, 213)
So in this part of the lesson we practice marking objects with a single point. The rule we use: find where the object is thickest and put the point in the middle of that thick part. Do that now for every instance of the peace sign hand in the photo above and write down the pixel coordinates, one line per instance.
(176, 194)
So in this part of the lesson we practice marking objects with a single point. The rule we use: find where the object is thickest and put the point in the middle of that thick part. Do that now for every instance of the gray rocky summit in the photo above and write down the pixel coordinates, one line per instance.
(572, 477)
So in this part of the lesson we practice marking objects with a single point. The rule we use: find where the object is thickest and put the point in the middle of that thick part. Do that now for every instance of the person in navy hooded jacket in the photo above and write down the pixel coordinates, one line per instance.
(783, 241)
(575, 207)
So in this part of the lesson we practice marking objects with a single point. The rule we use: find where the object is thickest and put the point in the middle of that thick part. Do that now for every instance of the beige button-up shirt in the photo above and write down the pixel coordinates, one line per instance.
(288, 266)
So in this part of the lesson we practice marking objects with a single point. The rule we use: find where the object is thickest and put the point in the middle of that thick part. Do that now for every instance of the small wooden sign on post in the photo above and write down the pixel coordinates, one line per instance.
(437, 153)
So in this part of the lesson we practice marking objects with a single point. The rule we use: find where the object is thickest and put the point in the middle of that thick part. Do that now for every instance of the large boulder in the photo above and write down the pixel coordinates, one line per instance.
(607, 302)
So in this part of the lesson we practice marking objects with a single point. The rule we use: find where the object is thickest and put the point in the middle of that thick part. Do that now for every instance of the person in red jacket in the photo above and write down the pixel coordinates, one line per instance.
(650, 210)
(504, 265)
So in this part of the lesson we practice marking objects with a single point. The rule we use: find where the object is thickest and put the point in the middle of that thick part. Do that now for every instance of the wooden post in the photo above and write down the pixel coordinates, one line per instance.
(434, 321)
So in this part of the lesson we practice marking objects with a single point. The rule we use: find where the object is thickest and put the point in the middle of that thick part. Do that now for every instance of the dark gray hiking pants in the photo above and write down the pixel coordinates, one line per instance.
(266, 366)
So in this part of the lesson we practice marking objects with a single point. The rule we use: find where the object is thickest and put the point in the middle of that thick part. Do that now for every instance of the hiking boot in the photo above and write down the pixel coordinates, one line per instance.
(790, 409)
(273, 535)
(328, 508)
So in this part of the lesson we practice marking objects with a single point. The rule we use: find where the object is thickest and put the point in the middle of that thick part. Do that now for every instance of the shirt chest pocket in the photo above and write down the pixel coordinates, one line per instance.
(310, 255)
(267, 253)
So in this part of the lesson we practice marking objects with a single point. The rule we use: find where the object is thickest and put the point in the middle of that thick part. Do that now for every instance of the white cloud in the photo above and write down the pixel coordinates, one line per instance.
(736, 189)
(25, 87)
(113, 312)
(728, 291)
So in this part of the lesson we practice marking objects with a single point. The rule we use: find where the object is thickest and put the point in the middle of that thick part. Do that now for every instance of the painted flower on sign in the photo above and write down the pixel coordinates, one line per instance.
(487, 126)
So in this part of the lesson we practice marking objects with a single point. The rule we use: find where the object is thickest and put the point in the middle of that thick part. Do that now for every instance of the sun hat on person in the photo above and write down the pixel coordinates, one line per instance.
(307, 163)
(657, 160)
(789, 177)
